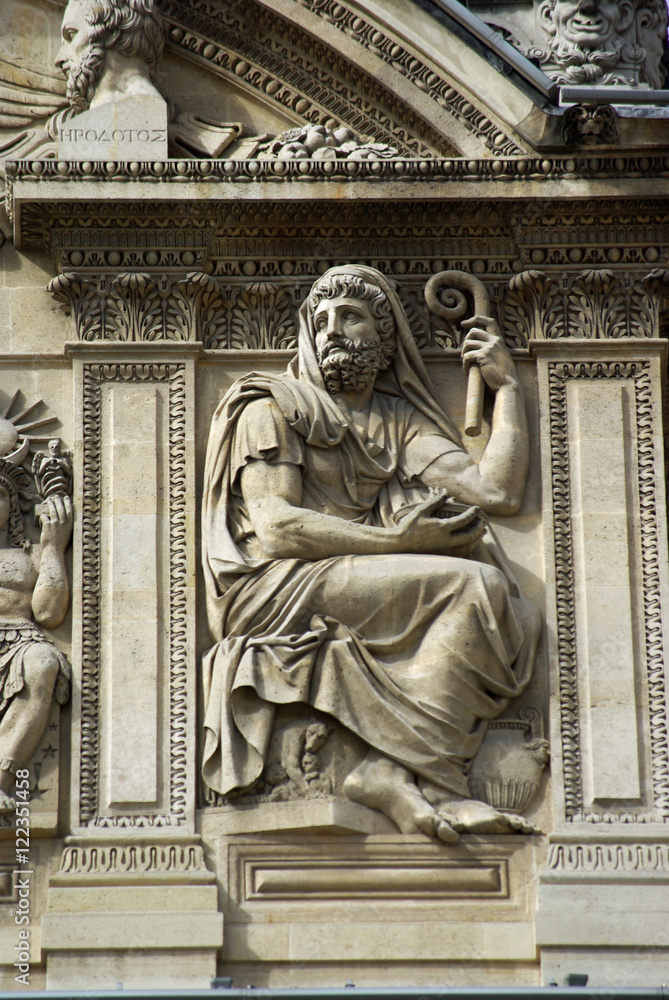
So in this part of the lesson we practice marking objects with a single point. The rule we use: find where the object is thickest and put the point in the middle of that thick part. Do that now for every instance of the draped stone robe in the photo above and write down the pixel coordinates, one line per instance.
(412, 653)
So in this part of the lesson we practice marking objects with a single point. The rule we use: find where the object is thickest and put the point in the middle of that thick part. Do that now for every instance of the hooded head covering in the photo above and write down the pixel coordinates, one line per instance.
(313, 412)
(407, 376)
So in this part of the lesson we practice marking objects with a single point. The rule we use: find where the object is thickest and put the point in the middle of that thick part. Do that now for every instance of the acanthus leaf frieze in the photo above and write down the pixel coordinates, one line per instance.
(136, 306)
(595, 304)
(227, 313)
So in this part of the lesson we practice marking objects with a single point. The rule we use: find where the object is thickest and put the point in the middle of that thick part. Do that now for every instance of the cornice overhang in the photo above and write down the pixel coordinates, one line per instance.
(424, 76)
(399, 76)
(193, 190)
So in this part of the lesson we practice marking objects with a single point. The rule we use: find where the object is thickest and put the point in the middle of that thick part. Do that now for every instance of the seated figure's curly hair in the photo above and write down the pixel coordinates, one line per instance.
(329, 286)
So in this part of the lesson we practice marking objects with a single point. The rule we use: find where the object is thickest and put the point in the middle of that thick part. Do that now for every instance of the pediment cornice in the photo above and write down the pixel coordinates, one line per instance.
(328, 63)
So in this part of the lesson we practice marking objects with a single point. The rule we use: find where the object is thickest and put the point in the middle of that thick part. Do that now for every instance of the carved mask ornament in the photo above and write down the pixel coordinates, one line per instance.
(586, 24)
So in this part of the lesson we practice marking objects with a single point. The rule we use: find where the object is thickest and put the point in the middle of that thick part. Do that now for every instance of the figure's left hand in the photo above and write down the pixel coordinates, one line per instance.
(57, 522)
(484, 346)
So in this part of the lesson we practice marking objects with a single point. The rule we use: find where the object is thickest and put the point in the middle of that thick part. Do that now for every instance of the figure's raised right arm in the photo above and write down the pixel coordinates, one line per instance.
(286, 530)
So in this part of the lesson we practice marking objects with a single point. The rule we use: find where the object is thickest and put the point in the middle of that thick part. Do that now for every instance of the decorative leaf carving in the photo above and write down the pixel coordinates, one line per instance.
(533, 308)
(197, 310)
(263, 319)
(417, 316)
(654, 305)
(134, 311)
(143, 306)
(79, 295)
(591, 314)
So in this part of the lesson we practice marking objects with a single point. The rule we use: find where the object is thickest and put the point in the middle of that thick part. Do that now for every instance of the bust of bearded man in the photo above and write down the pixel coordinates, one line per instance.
(110, 50)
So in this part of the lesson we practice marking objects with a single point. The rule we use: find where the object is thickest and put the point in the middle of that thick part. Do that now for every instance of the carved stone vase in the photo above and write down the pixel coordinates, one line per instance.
(507, 771)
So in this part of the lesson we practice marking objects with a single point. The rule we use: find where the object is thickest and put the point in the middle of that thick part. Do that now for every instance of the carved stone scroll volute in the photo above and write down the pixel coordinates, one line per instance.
(79, 295)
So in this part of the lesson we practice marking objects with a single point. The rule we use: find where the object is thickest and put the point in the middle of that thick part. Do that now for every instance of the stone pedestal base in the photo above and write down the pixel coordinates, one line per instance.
(145, 916)
(307, 905)
(140, 968)
(602, 907)
(609, 968)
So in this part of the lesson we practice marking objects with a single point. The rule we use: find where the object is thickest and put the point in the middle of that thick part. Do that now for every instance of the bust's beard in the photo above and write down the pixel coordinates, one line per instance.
(82, 80)
(354, 371)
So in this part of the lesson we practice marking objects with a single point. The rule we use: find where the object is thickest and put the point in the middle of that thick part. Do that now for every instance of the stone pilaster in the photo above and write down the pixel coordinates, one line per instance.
(606, 557)
(133, 901)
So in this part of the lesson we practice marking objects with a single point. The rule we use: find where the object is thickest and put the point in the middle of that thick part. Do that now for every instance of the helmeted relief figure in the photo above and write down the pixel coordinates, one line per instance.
(350, 570)
(33, 588)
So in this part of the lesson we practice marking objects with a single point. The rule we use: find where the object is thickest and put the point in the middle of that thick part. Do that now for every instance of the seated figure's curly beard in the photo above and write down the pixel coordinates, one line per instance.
(353, 371)
(82, 79)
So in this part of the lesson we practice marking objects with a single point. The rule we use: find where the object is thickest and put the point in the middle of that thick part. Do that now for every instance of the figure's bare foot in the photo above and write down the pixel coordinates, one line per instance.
(381, 784)
(7, 803)
(472, 816)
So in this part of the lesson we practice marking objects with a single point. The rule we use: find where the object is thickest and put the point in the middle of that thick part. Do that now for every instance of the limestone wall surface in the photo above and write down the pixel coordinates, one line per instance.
(356, 695)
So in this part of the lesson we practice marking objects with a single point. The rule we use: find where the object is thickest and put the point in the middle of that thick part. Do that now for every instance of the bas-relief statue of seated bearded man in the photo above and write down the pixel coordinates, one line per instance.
(33, 582)
(340, 574)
